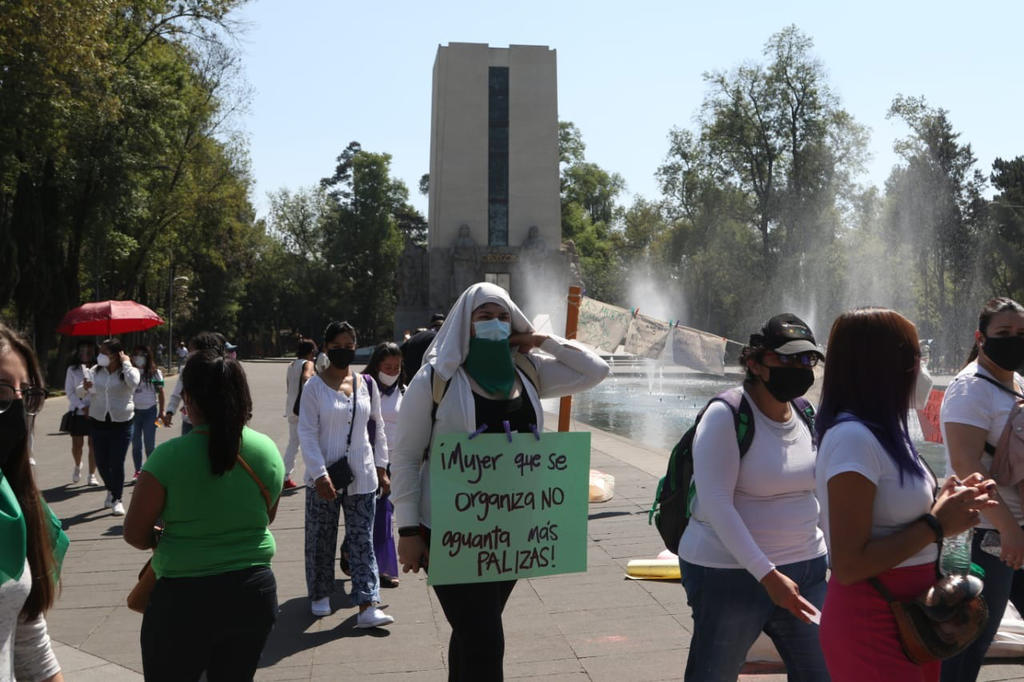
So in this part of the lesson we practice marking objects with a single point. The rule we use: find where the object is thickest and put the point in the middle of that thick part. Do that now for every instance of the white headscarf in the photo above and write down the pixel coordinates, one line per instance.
(450, 347)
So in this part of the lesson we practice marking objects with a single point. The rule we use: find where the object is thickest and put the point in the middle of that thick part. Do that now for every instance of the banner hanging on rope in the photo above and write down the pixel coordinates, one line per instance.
(602, 325)
(698, 350)
(646, 336)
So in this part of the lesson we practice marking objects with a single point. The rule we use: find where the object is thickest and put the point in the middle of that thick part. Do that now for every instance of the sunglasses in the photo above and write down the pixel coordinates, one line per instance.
(33, 396)
(807, 359)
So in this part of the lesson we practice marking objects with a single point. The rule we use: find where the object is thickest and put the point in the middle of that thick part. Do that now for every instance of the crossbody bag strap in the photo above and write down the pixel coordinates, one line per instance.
(263, 488)
(355, 404)
(1001, 387)
(882, 589)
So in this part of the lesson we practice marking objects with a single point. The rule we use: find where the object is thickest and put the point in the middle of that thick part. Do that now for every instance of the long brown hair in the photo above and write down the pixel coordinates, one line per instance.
(18, 471)
(870, 372)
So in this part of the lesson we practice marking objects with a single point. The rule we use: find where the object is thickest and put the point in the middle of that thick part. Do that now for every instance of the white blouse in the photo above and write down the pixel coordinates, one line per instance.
(325, 419)
(112, 392)
(25, 651)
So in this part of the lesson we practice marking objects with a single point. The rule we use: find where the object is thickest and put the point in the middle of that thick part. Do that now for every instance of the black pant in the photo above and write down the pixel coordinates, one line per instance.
(477, 645)
(217, 624)
(110, 441)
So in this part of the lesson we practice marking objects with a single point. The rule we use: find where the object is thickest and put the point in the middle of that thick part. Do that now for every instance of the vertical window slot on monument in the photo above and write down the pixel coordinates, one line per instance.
(497, 156)
(502, 279)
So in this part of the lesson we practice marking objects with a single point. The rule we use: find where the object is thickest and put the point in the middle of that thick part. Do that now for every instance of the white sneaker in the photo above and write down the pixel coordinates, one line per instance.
(76, 474)
(107, 503)
(93, 480)
(118, 509)
(373, 618)
(320, 607)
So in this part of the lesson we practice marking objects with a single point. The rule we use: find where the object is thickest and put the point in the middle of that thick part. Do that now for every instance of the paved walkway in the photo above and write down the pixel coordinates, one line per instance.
(587, 626)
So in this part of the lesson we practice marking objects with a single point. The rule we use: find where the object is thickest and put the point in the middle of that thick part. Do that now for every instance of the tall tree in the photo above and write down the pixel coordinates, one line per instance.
(934, 205)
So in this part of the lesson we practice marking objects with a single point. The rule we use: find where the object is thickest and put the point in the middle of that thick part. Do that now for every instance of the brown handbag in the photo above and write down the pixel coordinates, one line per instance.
(138, 598)
(942, 621)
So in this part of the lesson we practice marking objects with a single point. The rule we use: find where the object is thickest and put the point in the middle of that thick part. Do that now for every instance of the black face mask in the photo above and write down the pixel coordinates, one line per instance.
(13, 431)
(787, 383)
(341, 357)
(1005, 351)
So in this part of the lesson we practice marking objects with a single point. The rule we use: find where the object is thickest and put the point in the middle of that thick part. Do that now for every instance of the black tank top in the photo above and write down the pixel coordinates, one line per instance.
(518, 412)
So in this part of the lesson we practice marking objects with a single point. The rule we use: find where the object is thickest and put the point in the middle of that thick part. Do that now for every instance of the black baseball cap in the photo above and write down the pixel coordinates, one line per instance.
(786, 334)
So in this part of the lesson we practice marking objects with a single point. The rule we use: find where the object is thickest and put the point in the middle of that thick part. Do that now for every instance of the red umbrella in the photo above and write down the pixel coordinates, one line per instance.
(106, 318)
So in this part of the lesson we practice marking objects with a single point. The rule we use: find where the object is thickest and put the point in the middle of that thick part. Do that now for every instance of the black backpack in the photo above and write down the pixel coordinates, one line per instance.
(673, 500)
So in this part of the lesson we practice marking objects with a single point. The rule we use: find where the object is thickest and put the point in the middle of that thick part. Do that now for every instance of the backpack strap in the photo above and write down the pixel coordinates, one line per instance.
(529, 370)
(742, 415)
(805, 411)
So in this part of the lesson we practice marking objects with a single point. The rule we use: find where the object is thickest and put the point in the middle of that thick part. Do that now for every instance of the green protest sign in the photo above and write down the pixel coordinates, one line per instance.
(503, 510)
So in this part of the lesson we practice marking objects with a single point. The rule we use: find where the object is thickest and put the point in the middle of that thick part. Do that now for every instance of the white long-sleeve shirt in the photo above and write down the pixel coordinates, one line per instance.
(757, 512)
(563, 368)
(325, 418)
(112, 392)
(72, 380)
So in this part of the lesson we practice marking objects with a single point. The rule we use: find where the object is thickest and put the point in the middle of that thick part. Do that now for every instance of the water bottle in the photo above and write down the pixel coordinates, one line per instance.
(956, 551)
(991, 543)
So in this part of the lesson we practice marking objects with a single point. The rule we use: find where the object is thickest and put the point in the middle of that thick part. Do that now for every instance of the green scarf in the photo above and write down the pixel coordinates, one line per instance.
(13, 546)
(490, 364)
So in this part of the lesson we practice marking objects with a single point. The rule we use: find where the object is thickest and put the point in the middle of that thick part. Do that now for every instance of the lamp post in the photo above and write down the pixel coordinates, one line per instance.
(172, 351)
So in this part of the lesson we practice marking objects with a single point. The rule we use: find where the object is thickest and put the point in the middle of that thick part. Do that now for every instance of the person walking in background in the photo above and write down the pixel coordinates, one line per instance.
(182, 353)
(752, 556)
(974, 412)
(881, 518)
(78, 365)
(414, 347)
(385, 368)
(149, 404)
(203, 341)
(32, 544)
(298, 373)
(334, 411)
(111, 386)
(474, 353)
(216, 489)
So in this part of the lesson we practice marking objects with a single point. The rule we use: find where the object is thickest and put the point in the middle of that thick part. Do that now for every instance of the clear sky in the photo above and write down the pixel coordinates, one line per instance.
(326, 72)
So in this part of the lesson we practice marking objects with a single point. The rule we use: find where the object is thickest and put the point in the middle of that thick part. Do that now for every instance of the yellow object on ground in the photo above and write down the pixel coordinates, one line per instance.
(653, 569)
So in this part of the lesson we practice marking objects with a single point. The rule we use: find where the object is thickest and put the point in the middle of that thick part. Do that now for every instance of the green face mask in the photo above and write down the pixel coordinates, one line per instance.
(12, 534)
(490, 364)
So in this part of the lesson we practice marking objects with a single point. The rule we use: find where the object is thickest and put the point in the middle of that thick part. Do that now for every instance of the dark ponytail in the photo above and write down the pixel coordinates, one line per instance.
(218, 389)
(997, 305)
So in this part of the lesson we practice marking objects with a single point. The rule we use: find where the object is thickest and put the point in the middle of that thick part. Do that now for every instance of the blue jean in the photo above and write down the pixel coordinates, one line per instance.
(143, 426)
(110, 443)
(730, 610)
(1002, 584)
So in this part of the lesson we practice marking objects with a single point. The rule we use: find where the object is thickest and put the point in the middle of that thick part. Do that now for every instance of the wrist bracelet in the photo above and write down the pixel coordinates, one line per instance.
(408, 531)
(934, 524)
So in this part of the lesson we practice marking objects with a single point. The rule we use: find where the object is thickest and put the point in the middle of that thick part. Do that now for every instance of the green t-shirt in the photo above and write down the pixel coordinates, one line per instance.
(214, 524)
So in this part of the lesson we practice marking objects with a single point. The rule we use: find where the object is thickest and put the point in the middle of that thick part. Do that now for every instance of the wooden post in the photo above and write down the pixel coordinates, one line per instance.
(572, 319)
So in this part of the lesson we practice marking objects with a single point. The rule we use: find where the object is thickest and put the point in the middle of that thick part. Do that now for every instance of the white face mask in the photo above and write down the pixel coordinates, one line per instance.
(102, 359)
(139, 361)
(388, 379)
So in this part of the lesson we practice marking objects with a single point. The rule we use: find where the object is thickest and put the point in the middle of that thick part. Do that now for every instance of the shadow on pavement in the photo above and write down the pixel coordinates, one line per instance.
(290, 635)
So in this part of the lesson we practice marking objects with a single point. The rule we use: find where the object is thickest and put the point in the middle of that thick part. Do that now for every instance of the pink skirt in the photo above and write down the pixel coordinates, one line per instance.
(858, 631)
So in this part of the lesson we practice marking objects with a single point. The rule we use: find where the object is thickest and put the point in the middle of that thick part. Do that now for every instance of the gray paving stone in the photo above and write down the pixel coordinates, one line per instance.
(584, 626)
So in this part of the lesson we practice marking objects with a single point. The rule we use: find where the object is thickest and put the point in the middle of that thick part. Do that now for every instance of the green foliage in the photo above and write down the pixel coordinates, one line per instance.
(116, 169)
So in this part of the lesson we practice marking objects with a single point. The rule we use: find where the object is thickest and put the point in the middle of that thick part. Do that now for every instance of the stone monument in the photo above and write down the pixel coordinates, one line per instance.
(494, 208)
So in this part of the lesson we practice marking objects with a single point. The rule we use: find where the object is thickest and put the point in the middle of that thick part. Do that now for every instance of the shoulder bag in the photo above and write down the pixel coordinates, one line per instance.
(138, 598)
(341, 472)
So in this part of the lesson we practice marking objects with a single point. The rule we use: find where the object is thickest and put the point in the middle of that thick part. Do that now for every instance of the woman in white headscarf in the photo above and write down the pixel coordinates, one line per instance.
(474, 355)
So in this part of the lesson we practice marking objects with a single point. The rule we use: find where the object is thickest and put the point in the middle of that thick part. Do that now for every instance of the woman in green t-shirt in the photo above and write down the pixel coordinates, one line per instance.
(216, 489)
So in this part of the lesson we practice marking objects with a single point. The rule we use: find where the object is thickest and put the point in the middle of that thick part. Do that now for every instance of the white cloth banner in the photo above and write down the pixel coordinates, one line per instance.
(602, 325)
(698, 350)
(646, 336)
